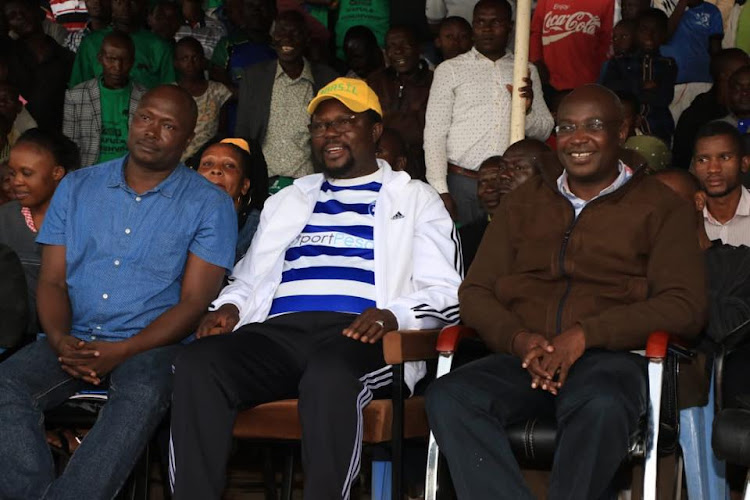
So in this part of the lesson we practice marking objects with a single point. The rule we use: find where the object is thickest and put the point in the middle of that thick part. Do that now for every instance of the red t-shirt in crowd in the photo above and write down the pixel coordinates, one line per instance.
(573, 38)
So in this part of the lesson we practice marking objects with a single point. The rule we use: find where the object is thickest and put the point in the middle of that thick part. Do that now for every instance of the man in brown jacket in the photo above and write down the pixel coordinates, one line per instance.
(573, 272)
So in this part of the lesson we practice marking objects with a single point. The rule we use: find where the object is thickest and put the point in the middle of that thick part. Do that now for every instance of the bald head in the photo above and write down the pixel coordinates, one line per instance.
(178, 98)
(597, 95)
(590, 130)
(162, 127)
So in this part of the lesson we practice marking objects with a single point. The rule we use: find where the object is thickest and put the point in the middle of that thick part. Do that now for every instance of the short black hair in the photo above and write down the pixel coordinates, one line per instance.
(718, 128)
(455, 20)
(295, 17)
(626, 23)
(362, 33)
(63, 150)
(503, 4)
(119, 36)
(190, 41)
(657, 15)
(491, 159)
(408, 29)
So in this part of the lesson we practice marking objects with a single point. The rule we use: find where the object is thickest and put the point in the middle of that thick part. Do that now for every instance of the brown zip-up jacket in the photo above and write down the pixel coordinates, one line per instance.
(628, 265)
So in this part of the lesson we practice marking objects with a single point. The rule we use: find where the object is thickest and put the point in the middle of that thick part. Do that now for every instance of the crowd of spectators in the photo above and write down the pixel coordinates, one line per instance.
(424, 90)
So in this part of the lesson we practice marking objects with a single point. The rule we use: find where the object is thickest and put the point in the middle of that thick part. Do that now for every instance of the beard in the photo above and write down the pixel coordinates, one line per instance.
(337, 172)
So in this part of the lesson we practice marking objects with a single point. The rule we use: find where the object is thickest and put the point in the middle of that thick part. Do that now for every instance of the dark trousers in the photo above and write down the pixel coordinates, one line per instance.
(597, 411)
(301, 355)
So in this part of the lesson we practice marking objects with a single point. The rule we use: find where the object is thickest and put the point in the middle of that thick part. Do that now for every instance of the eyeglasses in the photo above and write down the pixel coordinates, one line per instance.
(592, 126)
(341, 125)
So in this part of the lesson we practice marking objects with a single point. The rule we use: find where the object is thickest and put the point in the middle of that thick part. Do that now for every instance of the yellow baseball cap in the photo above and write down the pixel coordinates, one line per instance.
(240, 143)
(353, 93)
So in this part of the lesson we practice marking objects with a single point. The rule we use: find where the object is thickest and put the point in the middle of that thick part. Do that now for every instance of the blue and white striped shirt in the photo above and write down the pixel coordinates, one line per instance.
(330, 266)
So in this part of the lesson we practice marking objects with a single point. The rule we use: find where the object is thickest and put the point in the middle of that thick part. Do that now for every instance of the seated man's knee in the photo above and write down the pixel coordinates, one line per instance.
(195, 358)
(329, 378)
(440, 397)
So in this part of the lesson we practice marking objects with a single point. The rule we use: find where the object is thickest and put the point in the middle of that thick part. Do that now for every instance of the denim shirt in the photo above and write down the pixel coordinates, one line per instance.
(126, 252)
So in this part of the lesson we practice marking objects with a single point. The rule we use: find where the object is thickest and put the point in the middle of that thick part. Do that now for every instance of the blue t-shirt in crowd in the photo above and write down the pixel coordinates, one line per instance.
(126, 252)
(689, 46)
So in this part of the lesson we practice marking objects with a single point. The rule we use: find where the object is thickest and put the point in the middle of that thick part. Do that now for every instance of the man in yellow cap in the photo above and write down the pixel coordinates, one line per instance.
(339, 259)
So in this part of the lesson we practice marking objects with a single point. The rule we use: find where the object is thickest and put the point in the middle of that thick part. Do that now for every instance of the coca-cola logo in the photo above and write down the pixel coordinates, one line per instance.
(559, 26)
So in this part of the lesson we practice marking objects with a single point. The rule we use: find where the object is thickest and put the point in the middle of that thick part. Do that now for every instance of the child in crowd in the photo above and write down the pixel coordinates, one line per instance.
(392, 148)
(632, 111)
(623, 37)
(695, 33)
(454, 37)
(647, 75)
(623, 43)
(190, 64)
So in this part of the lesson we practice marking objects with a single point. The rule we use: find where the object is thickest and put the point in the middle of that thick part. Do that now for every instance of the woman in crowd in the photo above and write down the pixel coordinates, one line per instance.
(38, 162)
(241, 171)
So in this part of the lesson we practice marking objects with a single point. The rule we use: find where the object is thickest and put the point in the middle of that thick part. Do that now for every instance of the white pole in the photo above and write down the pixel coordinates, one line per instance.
(520, 71)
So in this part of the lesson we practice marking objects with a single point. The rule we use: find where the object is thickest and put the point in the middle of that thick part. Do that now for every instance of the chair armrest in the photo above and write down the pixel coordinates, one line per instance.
(451, 336)
(409, 345)
(657, 344)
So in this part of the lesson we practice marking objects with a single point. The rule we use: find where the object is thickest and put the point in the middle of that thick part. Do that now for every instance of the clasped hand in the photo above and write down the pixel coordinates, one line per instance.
(548, 362)
(89, 361)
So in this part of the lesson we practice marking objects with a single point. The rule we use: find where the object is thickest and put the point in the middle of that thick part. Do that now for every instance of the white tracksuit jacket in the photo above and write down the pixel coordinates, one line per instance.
(418, 263)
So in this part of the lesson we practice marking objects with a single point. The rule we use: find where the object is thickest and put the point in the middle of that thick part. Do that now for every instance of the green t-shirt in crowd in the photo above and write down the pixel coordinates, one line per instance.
(153, 59)
(743, 29)
(115, 105)
(375, 14)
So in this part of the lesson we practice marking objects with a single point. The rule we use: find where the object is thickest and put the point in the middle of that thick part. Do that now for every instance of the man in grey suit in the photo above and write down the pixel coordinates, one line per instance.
(273, 98)
(98, 111)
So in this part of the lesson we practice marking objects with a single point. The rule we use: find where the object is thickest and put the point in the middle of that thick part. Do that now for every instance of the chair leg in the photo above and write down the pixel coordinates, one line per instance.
(655, 375)
(397, 433)
(288, 475)
(433, 452)
(382, 473)
(705, 475)
(269, 476)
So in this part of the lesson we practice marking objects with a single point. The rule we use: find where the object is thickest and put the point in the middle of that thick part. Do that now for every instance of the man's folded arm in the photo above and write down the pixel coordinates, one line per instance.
(677, 300)
(480, 307)
(200, 284)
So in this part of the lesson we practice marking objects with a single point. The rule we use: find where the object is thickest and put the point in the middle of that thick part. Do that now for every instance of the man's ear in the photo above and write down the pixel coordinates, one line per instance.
(745, 163)
(377, 131)
(622, 133)
(400, 163)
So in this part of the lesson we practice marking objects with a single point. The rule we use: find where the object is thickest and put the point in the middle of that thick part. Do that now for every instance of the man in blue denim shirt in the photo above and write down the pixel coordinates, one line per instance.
(135, 250)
